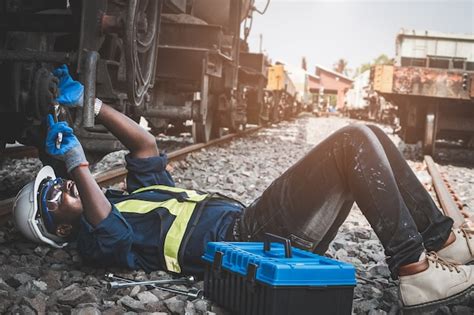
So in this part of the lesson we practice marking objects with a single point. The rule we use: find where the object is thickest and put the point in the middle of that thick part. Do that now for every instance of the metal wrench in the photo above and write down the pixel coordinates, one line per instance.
(124, 282)
(59, 139)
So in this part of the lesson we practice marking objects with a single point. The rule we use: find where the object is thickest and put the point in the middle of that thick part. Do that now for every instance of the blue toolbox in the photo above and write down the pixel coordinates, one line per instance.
(264, 278)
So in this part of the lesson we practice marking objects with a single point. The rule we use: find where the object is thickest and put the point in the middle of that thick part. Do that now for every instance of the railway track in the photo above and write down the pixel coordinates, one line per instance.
(117, 175)
(16, 152)
(447, 197)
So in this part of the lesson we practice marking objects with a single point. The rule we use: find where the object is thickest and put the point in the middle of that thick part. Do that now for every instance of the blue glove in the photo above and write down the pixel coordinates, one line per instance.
(71, 93)
(70, 150)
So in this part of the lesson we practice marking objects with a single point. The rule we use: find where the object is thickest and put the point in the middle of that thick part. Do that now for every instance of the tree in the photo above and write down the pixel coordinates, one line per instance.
(304, 64)
(340, 66)
(383, 60)
(380, 60)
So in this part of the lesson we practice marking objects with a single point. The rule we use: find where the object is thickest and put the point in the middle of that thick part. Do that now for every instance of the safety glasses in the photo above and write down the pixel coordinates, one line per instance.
(55, 193)
(50, 197)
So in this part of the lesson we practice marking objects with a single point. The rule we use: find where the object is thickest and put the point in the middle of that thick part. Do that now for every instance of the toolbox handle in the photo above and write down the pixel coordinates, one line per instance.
(269, 237)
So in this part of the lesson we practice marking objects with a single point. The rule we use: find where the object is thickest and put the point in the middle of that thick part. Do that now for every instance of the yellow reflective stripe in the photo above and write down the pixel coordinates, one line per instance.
(175, 236)
(181, 210)
(192, 194)
(144, 206)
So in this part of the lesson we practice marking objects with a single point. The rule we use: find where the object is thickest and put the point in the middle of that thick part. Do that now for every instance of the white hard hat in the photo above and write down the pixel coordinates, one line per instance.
(27, 215)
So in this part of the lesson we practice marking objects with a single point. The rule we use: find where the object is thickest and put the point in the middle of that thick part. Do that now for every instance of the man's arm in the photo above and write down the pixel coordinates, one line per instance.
(141, 145)
(95, 204)
(135, 138)
(96, 207)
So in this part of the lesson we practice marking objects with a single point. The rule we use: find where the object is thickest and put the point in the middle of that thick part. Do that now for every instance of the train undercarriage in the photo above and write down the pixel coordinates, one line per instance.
(170, 61)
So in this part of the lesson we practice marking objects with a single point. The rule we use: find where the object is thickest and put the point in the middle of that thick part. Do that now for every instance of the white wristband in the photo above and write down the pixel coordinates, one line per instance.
(97, 106)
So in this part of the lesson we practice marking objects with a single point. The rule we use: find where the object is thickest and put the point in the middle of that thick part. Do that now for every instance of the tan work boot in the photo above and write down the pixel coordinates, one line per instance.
(462, 249)
(431, 282)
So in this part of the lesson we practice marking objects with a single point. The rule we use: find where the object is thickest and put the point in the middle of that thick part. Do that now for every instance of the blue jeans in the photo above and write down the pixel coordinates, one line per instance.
(358, 163)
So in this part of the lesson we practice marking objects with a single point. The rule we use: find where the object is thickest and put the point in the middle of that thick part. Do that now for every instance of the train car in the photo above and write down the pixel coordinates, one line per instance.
(169, 61)
(432, 85)
(357, 97)
(282, 93)
(300, 79)
(253, 71)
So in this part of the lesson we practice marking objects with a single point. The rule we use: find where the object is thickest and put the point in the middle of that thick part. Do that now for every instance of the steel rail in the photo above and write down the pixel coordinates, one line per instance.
(20, 151)
(448, 205)
(118, 174)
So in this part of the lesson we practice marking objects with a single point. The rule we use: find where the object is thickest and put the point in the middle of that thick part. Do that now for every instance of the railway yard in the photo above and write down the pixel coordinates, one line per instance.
(37, 278)
(77, 77)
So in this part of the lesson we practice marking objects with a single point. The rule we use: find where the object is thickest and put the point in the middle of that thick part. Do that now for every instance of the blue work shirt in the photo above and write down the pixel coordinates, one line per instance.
(135, 240)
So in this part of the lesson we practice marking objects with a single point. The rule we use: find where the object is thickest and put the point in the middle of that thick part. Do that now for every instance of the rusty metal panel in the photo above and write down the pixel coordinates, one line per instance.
(253, 61)
(383, 78)
(191, 35)
(218, 11)
(188, 64)
(471, 82)
(429, 82)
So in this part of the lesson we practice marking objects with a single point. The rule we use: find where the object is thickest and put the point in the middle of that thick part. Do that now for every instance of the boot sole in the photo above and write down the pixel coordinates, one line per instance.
(458, 299)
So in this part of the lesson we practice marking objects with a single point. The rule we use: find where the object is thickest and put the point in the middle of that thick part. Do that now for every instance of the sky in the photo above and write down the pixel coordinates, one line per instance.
(356, 30)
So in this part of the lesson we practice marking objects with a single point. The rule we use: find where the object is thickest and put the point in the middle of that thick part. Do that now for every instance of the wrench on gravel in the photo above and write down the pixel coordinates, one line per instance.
(124, 282)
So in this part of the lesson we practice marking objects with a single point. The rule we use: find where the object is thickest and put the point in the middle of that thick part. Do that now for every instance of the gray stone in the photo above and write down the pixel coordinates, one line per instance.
(114, 310)
(22, 310)
(42, 251)
(341, 254)
(40, 285)
(362, 233)
(38, 303)
(377, 312)
(52, 279)
(92, 281)
(379, 270)
(89, 310)
(201, 305)
(189, 309)
(4, 286)
(461, 310)
(161, 295)
(147, 297)
(135, 290)
(74, 295)
(175, 305)
(61, 255)
(132, 304)
(365, 305)
(18, 279)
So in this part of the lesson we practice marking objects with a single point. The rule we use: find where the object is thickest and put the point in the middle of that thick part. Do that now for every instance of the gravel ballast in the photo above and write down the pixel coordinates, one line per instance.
(39, 279)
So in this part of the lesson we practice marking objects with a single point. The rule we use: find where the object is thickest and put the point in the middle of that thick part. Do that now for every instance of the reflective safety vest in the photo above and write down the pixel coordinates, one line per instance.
(182, 204)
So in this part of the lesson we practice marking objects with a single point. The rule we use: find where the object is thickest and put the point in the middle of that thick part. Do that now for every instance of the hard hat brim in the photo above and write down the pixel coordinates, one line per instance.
(44, 173)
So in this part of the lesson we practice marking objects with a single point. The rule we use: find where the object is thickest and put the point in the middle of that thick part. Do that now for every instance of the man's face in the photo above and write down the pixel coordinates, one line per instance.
(64, 202)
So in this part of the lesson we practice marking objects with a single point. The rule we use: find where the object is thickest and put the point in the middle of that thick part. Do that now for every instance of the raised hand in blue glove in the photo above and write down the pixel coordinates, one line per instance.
(71, 93)
(70, 150)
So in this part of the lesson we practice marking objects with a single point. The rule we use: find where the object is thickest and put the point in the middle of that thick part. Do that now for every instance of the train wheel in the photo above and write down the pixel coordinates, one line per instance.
(430, 131)
(141, 41)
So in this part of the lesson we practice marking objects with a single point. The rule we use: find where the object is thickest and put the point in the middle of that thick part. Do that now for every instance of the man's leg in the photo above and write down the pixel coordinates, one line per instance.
(310, 199)
(431, 223)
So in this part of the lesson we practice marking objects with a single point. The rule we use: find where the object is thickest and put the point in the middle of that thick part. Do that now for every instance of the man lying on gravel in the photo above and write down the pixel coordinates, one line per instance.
(154, 225)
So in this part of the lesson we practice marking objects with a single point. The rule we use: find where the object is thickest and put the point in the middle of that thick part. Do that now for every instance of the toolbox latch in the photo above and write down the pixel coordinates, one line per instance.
(251, 276)
(217, 264)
